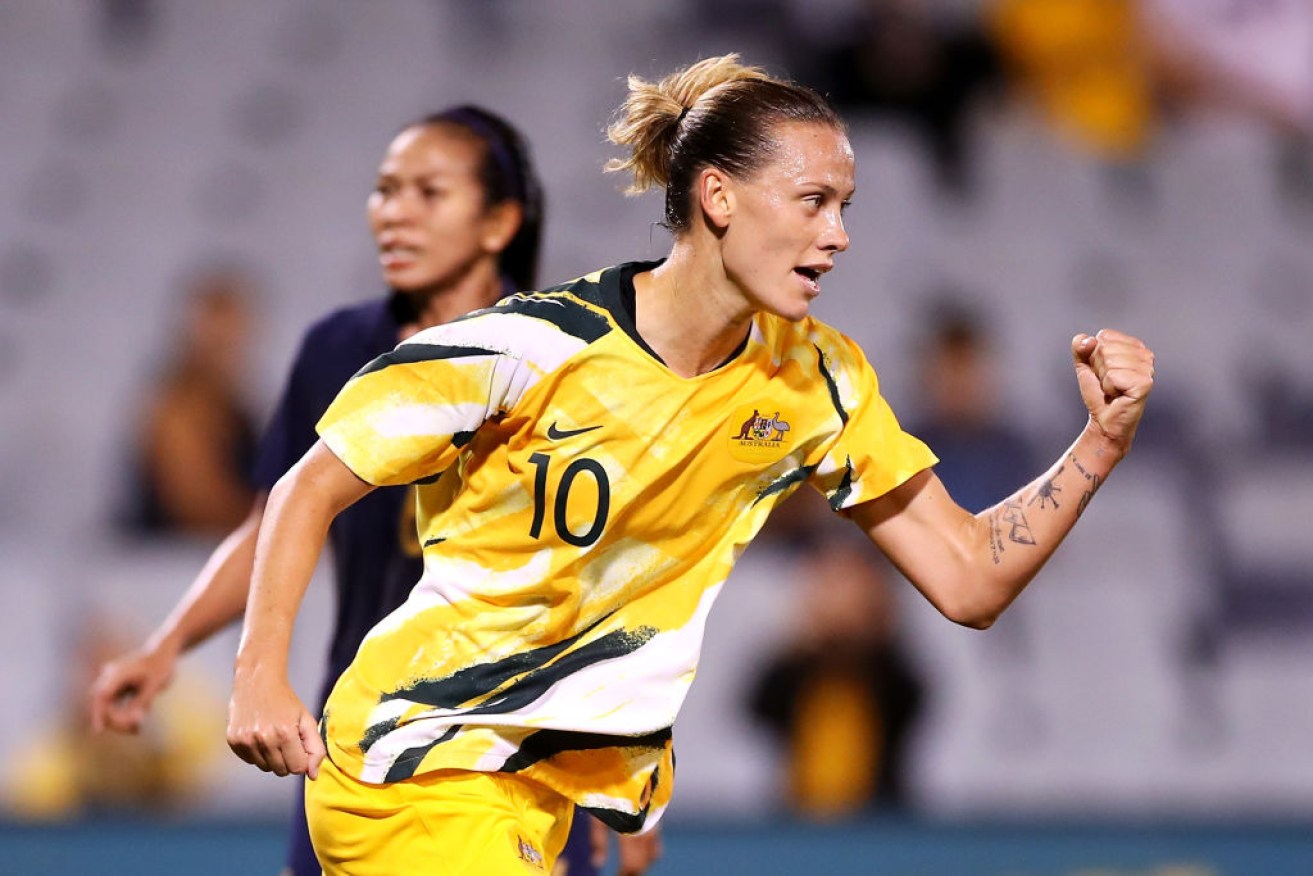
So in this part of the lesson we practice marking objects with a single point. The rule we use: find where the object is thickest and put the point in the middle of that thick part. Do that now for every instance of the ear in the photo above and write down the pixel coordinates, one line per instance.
(715, 196)
(500, 223)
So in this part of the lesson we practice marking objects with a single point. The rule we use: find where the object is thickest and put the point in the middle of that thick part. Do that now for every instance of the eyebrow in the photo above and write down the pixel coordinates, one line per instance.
(830, 190)
(423, 178)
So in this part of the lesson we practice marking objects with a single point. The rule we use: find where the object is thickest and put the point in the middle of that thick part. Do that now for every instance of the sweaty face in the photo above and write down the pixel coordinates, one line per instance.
(427, 211)
(786, 225)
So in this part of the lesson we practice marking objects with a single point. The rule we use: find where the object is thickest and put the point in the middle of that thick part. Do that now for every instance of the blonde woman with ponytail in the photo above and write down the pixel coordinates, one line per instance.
(591, 460)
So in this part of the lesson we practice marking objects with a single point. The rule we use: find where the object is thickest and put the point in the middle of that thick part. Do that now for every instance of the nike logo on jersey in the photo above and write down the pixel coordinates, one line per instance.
(557, 434)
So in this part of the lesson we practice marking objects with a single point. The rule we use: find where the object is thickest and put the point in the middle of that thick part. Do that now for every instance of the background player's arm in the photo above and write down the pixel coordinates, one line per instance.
(267, 723)
(126, 687)
(971, 567)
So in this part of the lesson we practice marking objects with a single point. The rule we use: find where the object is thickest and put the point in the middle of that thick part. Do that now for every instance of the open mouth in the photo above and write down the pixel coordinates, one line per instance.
(811, 277)
(397, 255)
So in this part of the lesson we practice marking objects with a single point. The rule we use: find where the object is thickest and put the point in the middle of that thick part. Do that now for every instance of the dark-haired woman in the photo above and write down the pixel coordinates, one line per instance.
(588, 483)
(456, 215)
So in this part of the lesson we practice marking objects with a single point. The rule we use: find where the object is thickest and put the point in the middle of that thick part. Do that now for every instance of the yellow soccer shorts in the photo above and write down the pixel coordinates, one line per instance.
(444, 823)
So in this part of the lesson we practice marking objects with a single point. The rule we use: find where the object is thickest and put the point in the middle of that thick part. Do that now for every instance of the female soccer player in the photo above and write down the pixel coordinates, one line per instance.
(586, 484)
(457, 219)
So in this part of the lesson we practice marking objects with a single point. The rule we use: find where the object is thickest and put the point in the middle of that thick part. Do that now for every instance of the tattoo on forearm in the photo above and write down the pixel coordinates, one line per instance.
(1091, 478)
(1018, 529)
(995, 538)
(1047, 491)
(1019, 532)
(1080, 468)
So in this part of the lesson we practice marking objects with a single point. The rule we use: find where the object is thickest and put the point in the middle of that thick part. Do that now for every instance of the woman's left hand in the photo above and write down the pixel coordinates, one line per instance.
(1115, 373)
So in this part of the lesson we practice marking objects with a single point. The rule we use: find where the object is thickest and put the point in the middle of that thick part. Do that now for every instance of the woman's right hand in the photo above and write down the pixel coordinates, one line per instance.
(268, 726)
(125, 689)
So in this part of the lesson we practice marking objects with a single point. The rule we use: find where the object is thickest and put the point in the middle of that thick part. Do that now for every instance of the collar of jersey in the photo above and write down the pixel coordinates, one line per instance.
(618, 297)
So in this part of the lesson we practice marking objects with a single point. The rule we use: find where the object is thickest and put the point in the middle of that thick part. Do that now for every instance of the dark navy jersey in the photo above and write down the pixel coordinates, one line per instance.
(375, 558)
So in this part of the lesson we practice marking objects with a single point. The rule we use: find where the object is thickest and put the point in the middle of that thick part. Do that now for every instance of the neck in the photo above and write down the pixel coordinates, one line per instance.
(476, 288)
(689, 312)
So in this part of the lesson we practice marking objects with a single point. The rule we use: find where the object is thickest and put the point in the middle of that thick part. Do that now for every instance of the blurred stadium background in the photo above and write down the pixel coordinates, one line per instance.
(1097, 171)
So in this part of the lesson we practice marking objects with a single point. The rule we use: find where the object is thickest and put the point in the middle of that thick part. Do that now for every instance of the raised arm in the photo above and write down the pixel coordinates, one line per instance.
(126, 687)
(971, 567)
(268, 725)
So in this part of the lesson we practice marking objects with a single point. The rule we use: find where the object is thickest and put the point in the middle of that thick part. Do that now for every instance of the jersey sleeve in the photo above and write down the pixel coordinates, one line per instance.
(871, 454)
(404, 417)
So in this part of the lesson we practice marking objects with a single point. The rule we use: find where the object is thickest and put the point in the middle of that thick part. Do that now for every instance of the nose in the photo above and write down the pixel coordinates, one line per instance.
(835, 236)
(393, 209)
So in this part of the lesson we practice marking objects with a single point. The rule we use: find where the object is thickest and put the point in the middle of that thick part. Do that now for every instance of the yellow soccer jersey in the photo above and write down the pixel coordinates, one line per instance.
(579, 508)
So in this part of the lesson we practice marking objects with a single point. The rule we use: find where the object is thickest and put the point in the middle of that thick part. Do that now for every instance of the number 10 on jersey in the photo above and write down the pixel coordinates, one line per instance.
(558, 497)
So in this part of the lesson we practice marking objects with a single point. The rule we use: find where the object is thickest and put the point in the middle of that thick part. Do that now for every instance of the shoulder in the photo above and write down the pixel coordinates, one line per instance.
(545, 327)
(834, 364)
(340, 342)
(347, 325)
(559, 309)
(809, 338)
(337, 344)
(584, 307)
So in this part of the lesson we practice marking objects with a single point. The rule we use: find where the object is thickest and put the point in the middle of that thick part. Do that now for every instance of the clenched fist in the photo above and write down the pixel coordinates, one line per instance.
(1115, 373)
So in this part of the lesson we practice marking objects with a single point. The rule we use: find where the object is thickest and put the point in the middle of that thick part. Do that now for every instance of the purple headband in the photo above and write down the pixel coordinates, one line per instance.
(496, 143)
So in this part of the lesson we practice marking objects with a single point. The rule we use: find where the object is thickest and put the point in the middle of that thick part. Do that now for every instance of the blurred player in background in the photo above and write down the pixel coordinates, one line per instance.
(843, 696)
(196, 436)
(62, 770)
(592, 460)
(457, 219)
